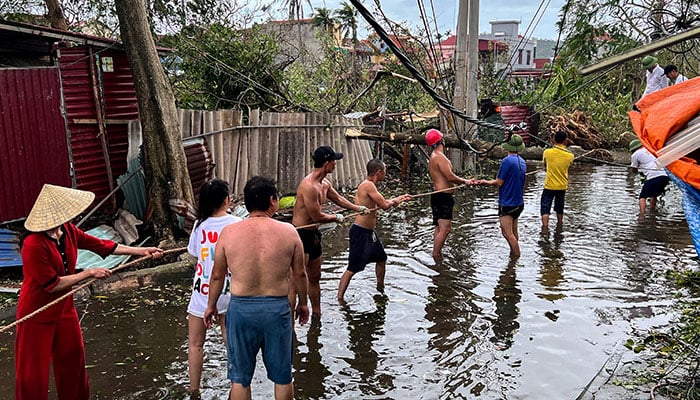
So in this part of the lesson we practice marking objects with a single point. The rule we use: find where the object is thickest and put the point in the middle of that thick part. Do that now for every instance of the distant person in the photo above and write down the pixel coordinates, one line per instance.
(490, 112)
(441, 203)
(313, 191)
(53, 339)
(261, 254)
(671, 72)
(557, 161)
(214, 201)
(365, 246)
(655, 178)
(656, 80)
(511, 185)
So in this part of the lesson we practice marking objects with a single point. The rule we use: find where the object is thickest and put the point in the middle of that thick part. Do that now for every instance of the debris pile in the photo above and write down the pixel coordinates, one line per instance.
(579, 129)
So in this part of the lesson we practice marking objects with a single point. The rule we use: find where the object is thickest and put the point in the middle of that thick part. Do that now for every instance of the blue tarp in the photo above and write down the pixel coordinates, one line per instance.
(691, 208)
(10, 255)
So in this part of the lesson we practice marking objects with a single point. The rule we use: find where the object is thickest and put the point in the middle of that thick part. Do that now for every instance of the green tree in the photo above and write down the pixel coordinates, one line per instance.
(212, 68)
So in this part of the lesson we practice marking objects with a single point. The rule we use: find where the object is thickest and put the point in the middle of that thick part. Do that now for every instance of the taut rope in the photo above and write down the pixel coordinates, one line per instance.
(84, 285)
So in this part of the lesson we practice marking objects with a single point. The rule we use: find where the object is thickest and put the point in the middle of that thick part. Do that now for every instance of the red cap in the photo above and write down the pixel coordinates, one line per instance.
(432, 137)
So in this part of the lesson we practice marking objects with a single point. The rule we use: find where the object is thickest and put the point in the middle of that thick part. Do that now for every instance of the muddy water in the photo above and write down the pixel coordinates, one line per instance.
(472, 326)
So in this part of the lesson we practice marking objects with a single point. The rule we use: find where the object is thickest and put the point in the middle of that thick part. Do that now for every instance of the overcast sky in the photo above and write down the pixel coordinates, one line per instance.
(489, 10)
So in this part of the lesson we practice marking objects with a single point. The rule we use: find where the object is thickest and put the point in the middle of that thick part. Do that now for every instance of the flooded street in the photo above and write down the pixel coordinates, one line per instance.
(472, 326)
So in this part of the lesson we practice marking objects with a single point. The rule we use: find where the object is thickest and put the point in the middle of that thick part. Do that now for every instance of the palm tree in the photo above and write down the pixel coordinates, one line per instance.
(347, 16)
(324, 17)
(296, 8)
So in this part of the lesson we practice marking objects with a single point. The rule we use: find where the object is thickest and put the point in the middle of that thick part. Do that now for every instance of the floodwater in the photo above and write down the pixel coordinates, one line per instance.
(474, 326)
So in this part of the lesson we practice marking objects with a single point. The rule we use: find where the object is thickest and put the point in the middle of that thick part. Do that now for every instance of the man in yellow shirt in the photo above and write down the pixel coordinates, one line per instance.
(557, 161)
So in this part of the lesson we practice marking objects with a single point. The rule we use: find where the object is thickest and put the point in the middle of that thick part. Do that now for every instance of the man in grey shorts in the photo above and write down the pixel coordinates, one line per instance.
(259, 254)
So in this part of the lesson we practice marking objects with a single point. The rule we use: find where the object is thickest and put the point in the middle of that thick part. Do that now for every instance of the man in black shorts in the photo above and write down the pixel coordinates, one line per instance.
(313, 191)
(365, 246)
(444, 179)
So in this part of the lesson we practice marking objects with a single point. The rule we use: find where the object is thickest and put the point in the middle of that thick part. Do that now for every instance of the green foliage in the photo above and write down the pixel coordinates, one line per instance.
(218, 67)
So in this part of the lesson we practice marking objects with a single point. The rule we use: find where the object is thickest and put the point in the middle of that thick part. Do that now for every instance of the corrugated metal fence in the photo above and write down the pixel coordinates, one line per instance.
(275, 145)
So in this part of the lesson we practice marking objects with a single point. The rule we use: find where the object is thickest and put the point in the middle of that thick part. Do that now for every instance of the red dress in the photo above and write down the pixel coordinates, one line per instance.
(54, 334)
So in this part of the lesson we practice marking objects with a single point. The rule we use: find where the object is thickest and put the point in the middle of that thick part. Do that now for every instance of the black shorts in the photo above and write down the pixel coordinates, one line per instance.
(442, 204)
(549, 195)
(654, 187)
(311, 239)
(365, 247)
(510, 211)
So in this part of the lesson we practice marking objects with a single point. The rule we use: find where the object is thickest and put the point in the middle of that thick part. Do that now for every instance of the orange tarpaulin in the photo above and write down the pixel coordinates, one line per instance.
(664, 113)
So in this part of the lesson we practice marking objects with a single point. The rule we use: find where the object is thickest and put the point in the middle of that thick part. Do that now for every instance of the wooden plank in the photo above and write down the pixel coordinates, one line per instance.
(218, 139)
(185, 123)
(226, 143)
(236, 119)
(254, 149)
(242, 177)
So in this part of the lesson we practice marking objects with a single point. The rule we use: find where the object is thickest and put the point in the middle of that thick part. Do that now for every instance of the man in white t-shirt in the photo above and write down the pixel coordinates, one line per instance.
(671, 72)
(655, 178)
(656, 80)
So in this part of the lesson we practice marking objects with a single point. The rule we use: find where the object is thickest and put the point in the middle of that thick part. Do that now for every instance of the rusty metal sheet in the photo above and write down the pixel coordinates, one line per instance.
(33, 147)
(516, 114)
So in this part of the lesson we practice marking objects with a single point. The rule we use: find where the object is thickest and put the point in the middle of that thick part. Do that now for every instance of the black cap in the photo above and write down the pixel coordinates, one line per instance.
(326, 153)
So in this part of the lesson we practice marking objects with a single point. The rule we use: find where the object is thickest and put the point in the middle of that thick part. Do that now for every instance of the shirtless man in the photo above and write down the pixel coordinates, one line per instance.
(365, 246)
(441, 203)
(261, 254)
(313, 191)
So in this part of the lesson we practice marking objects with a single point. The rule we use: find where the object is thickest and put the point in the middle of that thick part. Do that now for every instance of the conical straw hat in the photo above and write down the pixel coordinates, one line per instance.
(55, 206)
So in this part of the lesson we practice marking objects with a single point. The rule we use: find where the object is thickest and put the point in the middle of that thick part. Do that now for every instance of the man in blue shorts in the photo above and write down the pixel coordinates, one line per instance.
(511, 185)
(557, 161)
(365, 246)
(260, 254)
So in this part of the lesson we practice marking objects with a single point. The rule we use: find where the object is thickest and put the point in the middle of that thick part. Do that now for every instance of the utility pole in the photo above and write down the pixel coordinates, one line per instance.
(472, 65)
(460, 74)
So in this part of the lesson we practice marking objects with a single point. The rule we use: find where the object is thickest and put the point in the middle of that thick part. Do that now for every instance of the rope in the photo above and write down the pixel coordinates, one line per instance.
(82, 286)
(377, 208)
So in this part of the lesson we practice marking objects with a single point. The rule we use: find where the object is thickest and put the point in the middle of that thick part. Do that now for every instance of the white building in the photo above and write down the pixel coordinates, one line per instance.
(521, 52)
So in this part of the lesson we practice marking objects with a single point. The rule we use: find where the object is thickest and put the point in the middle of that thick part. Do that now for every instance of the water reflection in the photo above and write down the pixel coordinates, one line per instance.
(310, 372)
(552, 264)
(364, 329)
(506, 296)
(471, 327)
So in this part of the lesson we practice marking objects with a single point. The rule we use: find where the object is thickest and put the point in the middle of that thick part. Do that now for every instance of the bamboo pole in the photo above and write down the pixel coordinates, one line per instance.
(84, 285)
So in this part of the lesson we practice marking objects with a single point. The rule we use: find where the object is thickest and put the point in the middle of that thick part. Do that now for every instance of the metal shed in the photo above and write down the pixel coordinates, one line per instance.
(65, 102)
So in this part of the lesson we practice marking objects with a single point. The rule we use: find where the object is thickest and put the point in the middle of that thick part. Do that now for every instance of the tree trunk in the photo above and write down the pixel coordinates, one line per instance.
(164, 156)
(55, 12)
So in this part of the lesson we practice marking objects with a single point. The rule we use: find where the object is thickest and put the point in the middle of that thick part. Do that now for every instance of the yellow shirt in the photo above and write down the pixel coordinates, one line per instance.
(557, 160)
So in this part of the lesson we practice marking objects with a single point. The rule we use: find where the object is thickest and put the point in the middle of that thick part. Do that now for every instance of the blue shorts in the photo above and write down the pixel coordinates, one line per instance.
(546, 201)
(365, 247)
(654, 187)
(254, 323)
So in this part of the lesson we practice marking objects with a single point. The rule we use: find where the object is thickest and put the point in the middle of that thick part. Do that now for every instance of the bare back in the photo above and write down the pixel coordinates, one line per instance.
(440, 169)
(259, 253)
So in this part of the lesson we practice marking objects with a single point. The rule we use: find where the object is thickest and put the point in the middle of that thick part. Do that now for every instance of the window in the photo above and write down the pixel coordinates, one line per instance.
(528, 57)
(520, 56)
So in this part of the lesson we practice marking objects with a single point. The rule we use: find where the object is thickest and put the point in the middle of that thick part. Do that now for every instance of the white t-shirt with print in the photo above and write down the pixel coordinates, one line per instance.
(202, 243)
